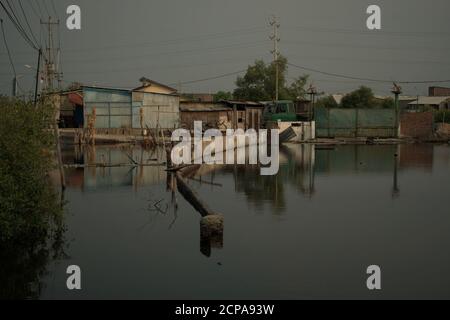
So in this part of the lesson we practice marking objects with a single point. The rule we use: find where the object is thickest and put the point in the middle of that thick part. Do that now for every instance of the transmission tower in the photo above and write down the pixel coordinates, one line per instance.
(52, 57)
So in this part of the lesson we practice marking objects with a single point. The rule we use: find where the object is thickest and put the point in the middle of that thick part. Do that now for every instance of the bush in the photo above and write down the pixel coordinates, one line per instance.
(28, 203)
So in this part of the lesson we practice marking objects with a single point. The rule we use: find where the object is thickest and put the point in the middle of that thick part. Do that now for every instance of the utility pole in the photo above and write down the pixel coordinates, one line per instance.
(14, 87)
(397, 91)
(51, 71)
(274, 23)
(37, 77)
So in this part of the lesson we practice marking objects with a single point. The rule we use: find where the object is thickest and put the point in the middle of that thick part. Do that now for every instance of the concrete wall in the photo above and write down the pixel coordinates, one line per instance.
(416, 124)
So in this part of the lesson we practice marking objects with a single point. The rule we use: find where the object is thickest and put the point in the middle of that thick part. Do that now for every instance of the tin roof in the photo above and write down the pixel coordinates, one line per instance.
(246, 103)
(430, 100)
(203, 107)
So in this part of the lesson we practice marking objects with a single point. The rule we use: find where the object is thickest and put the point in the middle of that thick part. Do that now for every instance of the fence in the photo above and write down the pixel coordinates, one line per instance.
(354, 123)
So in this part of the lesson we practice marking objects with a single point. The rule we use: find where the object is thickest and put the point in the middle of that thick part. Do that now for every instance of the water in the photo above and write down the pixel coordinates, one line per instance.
(309, 232)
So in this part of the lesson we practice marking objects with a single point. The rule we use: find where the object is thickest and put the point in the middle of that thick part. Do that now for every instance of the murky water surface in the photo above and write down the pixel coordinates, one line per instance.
(309, 232)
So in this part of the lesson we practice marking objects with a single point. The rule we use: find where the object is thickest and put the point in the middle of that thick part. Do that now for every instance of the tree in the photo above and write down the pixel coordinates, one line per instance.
(297, 89)
(223, 95)
(252, 86)
(326, 102)
(259, 81)
(363, 98)
(387, 103)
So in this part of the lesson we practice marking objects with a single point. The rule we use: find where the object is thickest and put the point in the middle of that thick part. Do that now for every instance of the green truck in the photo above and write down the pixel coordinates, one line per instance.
(282, 110)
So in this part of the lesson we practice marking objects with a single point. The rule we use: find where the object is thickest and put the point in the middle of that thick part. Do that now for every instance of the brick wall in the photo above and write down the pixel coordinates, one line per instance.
(438, 92)
(416, 124)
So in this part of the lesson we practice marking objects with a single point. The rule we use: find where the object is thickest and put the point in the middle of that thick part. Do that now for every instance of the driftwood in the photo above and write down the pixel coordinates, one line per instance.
(191, 196)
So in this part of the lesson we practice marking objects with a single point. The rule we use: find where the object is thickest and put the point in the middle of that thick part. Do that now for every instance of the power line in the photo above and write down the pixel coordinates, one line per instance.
(364, 79)
(210, 78)
(7, 49)
(26, 21)
(34, 9)
(12, 16)
(39, 8)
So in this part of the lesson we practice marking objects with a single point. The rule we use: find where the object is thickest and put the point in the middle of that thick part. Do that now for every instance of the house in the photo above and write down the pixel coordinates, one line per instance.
(438, 92)
(70, 107)
(213, 115)
(246, 114)
(119, 111)
(403, 101)
(436, 103)
(151, 86)
(226, 114)
(152, 110)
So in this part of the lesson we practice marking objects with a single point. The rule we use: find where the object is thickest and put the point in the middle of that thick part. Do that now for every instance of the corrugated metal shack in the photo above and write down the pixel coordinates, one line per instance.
(213, 115)
(246, 114)
(222, 115)
(110, 107)
(125, 111)
(155, 110)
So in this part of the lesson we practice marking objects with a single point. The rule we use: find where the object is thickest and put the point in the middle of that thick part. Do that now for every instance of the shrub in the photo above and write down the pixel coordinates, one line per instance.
(28, 203)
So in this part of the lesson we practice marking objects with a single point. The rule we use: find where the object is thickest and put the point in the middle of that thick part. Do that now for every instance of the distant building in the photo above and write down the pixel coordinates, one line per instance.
(122, 110)
(70, 107)
(227, 114)
(212, 115)
(436, 103)
(246, 114)
(438, 92)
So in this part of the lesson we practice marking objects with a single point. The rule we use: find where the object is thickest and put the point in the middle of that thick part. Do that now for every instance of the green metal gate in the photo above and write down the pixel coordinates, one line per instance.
(370, 123)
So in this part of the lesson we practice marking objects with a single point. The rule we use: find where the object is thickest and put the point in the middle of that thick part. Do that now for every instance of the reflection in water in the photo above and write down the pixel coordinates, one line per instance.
(340, 195)
(23, 266)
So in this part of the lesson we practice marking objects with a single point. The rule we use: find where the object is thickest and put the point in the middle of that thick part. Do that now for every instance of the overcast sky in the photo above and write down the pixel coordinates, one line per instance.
(175, 41)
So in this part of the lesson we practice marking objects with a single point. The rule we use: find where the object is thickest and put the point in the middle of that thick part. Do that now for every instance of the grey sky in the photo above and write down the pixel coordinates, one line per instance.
(175, 41)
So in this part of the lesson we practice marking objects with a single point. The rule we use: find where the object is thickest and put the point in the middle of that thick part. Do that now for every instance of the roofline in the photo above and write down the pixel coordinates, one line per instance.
(107, 88)
(159, 93)
(154, 82)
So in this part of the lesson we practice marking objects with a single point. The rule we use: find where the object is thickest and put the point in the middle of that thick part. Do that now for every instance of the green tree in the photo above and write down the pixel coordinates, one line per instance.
(223, 95)
(387, 103)
(297, 89)
(252, 86)
(259, 81)
(363, 98)
(326, 102)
